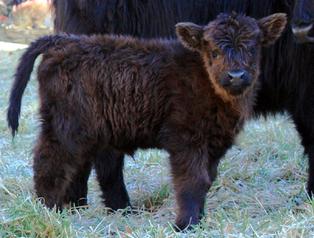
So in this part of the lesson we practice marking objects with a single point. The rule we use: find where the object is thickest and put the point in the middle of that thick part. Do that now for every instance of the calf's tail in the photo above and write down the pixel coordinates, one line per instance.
(24, 70)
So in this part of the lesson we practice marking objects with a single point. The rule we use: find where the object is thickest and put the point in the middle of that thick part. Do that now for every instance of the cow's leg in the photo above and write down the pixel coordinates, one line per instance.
(76, 193)
(54, 169)
(310, 183)
(305, 127)
(192, 181)
(109, 170)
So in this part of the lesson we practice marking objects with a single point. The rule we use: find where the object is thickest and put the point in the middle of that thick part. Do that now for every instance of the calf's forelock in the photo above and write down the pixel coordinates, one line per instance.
(234, 35)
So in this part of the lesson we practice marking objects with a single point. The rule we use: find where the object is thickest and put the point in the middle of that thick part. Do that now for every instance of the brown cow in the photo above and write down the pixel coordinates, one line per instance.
(115, 93)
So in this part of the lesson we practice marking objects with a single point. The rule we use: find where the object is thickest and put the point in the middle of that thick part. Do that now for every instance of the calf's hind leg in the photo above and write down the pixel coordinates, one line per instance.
(76, 193)
(54, 169)
(109, 170)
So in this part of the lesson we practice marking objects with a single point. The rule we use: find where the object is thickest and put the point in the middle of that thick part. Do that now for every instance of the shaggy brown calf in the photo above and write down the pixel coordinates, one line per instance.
(114, 93)
(286, 84)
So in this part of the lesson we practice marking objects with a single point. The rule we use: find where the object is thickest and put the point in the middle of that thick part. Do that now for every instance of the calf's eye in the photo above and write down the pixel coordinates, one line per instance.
(253, 51)
(215, 54)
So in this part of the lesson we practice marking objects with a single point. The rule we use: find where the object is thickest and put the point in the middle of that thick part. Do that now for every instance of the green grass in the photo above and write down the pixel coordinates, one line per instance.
(260, 191)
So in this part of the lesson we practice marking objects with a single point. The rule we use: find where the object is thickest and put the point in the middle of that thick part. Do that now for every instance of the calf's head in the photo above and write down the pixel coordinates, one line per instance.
(303, 21)
(230, 47)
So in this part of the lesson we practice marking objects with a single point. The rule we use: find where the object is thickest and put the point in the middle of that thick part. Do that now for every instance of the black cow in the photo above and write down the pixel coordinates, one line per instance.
(287, 68)
(134, 17)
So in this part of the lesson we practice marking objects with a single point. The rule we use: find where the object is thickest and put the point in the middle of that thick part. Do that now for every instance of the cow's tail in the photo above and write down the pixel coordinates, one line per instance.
(24, 71)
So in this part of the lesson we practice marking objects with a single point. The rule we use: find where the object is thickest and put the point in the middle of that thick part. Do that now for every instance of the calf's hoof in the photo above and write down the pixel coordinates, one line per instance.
(185, 224)
(52, 205)
(80, 203)
(127, 209)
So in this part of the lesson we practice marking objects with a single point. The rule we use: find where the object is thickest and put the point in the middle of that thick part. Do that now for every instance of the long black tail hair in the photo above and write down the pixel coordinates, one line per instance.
(24, 71)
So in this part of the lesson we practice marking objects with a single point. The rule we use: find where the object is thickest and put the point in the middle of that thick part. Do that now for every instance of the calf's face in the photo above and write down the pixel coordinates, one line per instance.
(230, 47)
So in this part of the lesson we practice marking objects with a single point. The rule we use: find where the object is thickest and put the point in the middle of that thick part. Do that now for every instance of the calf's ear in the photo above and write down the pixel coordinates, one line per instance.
(190, 35)
(272, 26)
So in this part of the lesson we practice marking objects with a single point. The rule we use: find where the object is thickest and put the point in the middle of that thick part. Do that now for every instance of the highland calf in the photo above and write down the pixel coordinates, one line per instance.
(286, 84)
(116, 94)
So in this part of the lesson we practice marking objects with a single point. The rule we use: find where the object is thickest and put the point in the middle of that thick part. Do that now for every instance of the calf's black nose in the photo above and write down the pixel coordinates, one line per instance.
(236, 74)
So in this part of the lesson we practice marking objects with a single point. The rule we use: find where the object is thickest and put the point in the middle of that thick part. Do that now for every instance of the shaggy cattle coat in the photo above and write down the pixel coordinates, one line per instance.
(118, 94)
(287, 70)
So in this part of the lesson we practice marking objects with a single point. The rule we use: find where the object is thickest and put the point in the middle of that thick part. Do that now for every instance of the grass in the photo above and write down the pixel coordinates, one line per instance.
(260, 191)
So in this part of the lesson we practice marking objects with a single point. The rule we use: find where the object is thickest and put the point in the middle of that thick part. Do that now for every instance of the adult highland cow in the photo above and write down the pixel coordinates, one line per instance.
(105, 92)
(287, 68)
(157, 18)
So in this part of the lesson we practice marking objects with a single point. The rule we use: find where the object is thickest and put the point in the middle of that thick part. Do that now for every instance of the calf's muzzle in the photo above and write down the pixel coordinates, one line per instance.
(236, 81)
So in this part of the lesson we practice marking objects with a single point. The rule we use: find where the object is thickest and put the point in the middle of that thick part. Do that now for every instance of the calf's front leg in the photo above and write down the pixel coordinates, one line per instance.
(192, 181)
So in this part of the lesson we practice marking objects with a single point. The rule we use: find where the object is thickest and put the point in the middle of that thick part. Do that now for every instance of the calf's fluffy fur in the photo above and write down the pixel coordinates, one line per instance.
(115, 94)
